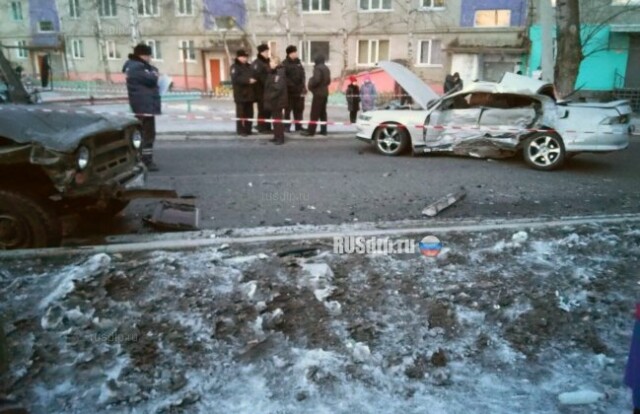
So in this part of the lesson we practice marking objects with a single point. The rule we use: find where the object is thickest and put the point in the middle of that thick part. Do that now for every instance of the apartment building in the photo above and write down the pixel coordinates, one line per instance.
(195, 40)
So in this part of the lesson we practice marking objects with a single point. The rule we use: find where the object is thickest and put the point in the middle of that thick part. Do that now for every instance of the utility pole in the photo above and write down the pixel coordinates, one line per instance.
(133, 23)
(547, 23)
(102, 47)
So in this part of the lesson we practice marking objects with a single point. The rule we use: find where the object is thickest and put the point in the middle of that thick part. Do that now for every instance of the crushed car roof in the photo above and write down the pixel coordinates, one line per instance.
(54, 130)
(421, 93)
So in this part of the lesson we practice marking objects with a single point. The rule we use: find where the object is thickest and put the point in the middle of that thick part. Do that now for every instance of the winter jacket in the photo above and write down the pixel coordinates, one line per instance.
(261, 70)
(275, 89)
(353, 97)
(368, 96)
(296, 77)
(142, 86)
(321, 79)
(243, 89)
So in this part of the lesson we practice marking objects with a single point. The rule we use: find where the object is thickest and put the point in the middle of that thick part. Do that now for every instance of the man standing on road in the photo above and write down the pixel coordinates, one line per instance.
(261, 71)
(319, 86)
(243, 81)
(144, 98)
(295, 86)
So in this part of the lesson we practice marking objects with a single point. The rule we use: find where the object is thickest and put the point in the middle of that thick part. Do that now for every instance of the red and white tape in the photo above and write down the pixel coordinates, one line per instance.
(207, 117)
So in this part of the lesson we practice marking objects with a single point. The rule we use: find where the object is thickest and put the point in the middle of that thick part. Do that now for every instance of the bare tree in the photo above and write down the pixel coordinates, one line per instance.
(569, 46)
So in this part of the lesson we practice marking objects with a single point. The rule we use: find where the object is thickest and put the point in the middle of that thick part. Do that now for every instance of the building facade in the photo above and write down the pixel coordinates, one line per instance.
(195, 40)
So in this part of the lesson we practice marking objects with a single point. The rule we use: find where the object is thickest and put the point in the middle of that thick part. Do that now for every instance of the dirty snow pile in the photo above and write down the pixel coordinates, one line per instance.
(501, 322)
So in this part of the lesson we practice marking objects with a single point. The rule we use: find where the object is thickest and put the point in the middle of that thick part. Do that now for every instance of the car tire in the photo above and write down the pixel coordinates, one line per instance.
(391, 140)
(26, 222)
(544, 151)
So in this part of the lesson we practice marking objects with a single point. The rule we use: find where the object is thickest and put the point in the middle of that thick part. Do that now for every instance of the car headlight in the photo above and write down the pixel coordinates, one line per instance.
(82, 157)
(136, 139)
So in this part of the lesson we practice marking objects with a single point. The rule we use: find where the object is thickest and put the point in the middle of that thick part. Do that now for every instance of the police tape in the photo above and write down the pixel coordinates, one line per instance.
(446, 128)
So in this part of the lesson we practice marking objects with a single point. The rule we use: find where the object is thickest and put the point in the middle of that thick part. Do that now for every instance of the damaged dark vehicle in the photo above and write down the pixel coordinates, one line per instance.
(55, 163)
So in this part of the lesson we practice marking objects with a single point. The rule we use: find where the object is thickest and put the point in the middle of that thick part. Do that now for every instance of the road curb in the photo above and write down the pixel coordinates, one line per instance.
(229, 136)
(202, 239)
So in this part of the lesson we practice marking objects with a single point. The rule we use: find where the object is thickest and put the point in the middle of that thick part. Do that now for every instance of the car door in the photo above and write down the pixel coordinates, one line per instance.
(455, 120)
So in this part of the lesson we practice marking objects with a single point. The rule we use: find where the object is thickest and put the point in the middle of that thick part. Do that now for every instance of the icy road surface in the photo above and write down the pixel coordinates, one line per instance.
(501, 322)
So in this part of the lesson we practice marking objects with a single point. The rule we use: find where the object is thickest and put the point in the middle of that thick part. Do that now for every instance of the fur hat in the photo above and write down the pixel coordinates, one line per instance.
(263, 48)
(352, 79)
(242, 52)
(142, 50)
(291, 49)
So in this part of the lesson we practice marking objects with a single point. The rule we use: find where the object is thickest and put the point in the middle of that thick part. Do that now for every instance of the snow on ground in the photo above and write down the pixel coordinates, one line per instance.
(504, 322)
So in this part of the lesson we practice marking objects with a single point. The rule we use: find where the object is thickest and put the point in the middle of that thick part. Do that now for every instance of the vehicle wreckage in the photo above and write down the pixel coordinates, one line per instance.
(495, 120)
(54, 163)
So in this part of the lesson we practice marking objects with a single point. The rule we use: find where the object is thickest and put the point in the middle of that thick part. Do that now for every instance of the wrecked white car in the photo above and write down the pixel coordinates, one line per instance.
(496, 120)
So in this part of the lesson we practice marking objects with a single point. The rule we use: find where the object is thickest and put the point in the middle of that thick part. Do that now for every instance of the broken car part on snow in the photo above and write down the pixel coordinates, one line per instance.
(447, 201)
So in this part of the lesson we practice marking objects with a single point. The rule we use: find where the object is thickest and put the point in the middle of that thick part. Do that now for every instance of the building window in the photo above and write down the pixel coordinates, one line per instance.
(111, 50)
(156, 50)
(74, 8)
(22, 52)
(267, 6)
(371, 52)
(492, 18)
(45, 26)
(77, 49)
(187, 51)
(16, 10)
(430, 53)
(625, 2)
(185, 7)
(311, 49)
(433, 4)
(316, 6)
(375, 5)
(107, 8)
(147, 8)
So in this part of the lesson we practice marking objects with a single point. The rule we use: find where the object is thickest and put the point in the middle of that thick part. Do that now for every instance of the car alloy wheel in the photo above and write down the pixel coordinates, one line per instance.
(391, 139)
(544, 151)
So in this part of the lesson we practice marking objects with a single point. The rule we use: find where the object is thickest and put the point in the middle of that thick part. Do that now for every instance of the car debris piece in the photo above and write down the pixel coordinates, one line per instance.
(435, 208)
(300, 252)
(175, 215)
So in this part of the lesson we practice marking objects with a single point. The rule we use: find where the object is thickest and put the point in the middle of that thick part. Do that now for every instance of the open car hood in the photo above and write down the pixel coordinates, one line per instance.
(421, 93)
(55, 130)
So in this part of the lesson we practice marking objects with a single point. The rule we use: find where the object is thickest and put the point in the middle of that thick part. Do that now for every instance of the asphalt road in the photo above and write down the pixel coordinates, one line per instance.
(247, 183)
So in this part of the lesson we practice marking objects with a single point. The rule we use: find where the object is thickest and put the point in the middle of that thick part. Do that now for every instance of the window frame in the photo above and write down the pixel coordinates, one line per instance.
(144, 4)
(419, 56)
(376, 10)
(623, 3)
(157, 46)
(432, 8)
(310, 60)
(496, 11)
(112, 46)
(182, 51)
(269, 10)
(74, 9)
(17, 14)
(53, 27)
(320, 9)
(22, 52)
(186, 13)
(113, 9)
(369, 62)
(77, 45)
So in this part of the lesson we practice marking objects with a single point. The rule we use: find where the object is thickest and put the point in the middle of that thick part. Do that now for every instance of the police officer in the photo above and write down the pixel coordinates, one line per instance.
(144, 98)
(243, 81)
(261, 70)
(296, 88)
(319, 86)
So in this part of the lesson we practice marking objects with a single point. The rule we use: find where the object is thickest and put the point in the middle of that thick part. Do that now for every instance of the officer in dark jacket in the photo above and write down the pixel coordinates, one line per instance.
(295, 85)
(276, 98)
(261, 70)
(319, 87)
(243, 81)
(144, 98)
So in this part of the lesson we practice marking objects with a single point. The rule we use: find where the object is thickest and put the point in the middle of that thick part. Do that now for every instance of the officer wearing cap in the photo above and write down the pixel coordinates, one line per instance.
(243, 81)
(296, 85)
(261, 71)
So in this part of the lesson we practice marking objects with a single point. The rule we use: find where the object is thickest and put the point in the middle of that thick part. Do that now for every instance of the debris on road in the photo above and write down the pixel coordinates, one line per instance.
(582, 397)
(447, 201)
(175, 215)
